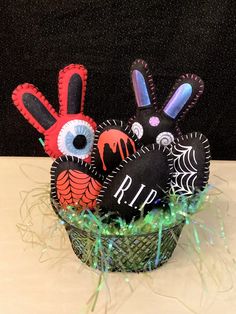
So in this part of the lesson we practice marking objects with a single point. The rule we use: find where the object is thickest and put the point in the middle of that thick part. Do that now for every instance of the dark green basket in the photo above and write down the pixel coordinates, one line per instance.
(135, 253)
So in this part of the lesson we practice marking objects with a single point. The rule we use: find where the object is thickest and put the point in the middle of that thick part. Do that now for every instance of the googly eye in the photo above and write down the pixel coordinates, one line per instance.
(137, 129)
(164, 138)
(76, 139)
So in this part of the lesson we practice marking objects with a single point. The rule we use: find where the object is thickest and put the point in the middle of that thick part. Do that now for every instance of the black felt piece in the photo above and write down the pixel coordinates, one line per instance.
(79, 141)
(140, 180)
(114, 141)
(38, 111)
(74, 94)
(40, 37)
(150, 132)
(191, 155)
(153, 119)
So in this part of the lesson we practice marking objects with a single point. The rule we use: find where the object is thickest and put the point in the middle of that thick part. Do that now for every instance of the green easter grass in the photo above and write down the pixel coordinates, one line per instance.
(177, 209)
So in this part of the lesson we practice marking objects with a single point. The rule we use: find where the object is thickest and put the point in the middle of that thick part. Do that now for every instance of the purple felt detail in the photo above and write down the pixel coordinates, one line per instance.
(178, 100)
(154, 121)
(140, 89)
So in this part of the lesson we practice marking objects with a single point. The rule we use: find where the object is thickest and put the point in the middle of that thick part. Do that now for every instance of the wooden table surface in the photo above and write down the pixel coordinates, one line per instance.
(36, 279)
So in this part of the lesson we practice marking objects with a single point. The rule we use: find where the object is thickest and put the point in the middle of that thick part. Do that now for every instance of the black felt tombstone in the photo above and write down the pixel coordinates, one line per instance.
(138, 182)
(191, 154)
(114, 141)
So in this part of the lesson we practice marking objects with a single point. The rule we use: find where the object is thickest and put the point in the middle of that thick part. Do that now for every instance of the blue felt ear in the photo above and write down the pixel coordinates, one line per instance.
(178, 100)
(140, 89)
(184, 95)
(143, 85)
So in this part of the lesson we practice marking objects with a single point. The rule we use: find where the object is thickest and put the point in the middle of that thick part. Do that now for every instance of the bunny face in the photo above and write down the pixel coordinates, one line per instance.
(161, 126)
(70, 132)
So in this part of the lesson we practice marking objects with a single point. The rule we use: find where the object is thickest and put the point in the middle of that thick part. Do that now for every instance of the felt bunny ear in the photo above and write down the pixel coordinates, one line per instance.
(143, 85)
(183, 96)
(71, 89)
(34, 107)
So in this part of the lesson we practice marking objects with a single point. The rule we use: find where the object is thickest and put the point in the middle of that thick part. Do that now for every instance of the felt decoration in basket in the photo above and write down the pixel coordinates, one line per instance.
(138, 182)
(74, 182)
(113, 142)
(191, 156)
(141, 180)
(161, 126)
(70, 132)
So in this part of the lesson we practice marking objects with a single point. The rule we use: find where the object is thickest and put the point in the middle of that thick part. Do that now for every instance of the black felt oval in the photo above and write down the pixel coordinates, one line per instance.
(114, 141)
(191, 155)
(138, 182)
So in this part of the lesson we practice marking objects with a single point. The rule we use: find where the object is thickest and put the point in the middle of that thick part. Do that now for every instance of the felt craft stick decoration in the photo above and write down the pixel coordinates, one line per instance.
(134, 187)
(161, 126)
(191, 161)
(74, 183)
(114, 141)
(70, 132)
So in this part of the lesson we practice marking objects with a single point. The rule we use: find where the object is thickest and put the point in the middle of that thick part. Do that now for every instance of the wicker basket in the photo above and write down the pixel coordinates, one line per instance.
(136, 253)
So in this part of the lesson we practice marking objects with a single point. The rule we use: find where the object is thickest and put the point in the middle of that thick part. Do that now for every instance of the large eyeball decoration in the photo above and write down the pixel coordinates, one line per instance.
(76, 138)
(70, 132)
(153, 125)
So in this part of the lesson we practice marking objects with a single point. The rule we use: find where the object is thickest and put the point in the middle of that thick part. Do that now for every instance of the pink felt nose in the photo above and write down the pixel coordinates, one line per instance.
(154, 121)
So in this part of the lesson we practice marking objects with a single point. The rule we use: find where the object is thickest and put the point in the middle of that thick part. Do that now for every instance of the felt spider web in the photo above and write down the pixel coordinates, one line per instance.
(185, 169)
(74, 186)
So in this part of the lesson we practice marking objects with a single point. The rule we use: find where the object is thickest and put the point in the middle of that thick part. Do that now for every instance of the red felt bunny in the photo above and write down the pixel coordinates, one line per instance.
(70, 132)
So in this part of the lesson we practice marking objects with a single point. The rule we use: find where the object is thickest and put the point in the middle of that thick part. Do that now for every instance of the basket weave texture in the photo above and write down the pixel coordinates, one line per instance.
(134, 253)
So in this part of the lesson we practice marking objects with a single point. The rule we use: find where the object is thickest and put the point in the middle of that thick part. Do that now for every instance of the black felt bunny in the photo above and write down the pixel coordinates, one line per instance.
(154, 125)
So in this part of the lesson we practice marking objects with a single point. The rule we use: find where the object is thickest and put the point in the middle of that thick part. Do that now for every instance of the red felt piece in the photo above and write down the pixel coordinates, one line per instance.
(51, 135)
(31, 89)
(75, 187)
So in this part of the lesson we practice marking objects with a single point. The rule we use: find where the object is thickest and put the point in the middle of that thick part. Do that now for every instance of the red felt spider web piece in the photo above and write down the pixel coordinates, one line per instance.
(77, 188)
